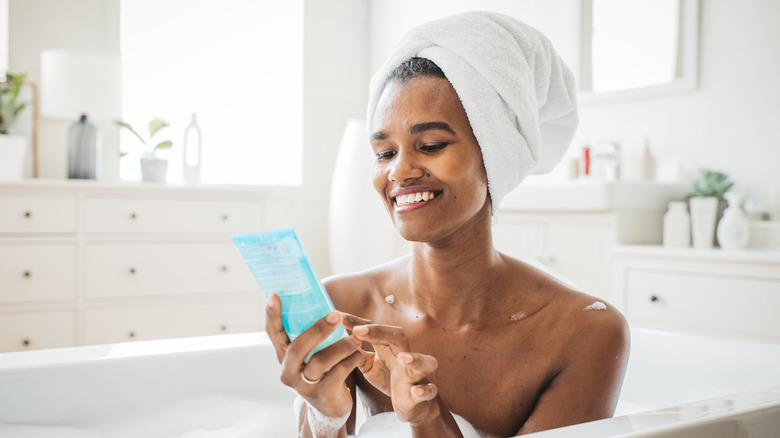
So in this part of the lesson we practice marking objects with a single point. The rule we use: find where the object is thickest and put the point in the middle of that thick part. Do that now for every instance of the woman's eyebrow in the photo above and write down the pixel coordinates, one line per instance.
(431, 126)
(379, 135)
(417, 129)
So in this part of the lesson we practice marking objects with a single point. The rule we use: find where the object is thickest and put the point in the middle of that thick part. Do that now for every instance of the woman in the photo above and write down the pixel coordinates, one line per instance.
(458, 335)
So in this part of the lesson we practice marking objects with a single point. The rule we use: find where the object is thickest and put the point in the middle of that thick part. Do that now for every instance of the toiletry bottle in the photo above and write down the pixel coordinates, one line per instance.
(733, 229)
(277, 262)
(586, 161)
(648, 163)
(677, 226)
(192, 152)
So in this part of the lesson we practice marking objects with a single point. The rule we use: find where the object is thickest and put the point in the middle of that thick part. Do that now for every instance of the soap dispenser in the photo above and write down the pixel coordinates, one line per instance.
(733, 229)
(192, 152)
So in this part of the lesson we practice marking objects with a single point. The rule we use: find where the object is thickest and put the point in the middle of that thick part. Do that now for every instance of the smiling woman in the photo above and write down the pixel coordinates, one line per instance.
(458, 339)
(238, 64)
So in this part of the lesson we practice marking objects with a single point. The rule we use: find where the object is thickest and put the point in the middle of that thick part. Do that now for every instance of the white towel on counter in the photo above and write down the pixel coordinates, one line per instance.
(387, 425)
(519, 96)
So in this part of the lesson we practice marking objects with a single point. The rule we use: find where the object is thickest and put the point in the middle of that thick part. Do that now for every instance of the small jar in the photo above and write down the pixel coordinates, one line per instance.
(677, 226)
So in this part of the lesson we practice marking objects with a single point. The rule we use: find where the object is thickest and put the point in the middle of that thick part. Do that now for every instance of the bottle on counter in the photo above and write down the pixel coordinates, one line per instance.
(648, 163)
(192, 152)
(733, 229)
(677, 226)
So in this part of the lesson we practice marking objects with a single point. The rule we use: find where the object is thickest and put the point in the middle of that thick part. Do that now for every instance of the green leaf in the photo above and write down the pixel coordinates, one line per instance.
(156, 125)
(130, 128)
(163, 145)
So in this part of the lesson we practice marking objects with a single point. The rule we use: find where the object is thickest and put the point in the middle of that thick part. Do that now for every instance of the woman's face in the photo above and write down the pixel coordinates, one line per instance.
(428, 165)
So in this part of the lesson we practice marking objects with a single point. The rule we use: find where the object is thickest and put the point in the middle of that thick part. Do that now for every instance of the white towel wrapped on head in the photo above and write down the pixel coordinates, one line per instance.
(519, 96)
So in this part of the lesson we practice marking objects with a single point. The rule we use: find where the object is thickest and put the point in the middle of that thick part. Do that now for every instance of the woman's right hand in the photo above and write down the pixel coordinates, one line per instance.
(326, 371)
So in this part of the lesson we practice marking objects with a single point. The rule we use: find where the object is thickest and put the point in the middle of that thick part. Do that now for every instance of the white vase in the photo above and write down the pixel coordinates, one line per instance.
(13, 151)
(704, 214)
(733, 229)
(154, 169)
(360, 231)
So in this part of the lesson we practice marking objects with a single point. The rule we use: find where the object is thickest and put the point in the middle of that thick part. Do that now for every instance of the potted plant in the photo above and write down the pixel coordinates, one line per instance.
(153, 168)
(13, 148)
(706, 204)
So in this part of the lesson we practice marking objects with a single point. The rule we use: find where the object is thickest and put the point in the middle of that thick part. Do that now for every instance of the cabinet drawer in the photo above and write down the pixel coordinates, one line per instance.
(120, 325)
(27, 331)
(131, 215)
(725, 303)
(37, 273)
(37, 214)
(163, 269)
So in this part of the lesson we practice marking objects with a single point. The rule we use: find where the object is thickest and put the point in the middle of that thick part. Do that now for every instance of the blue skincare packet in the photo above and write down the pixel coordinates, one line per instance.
(277, 262)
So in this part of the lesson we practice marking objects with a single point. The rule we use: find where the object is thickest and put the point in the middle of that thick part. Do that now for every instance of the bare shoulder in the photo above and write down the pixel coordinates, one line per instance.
(595, 328)
(359, 292)
(581, 321)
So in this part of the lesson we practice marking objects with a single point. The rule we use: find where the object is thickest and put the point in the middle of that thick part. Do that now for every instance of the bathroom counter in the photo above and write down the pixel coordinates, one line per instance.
(717, 292)
(592, 195)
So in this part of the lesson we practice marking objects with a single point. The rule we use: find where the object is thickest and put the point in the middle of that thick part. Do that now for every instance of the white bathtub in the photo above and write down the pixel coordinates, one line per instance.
(228, 386)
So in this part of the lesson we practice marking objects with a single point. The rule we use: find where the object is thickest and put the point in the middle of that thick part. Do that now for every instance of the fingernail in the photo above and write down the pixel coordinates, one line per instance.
(360, 330)
(333, 317)
(270, 303)
(405, 358)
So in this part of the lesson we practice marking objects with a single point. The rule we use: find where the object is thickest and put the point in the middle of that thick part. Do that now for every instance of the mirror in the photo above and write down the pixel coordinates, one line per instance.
(637, 48)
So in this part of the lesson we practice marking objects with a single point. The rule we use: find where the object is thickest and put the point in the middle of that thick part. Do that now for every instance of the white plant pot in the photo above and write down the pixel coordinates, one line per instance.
(13, 151)
(704, 215)
(154, 169)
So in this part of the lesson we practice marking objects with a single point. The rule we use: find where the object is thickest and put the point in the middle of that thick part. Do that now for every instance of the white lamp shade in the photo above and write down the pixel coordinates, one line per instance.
(75, 83)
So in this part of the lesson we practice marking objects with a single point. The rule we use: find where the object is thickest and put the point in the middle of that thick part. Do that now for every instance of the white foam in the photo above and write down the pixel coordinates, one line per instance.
(321, 424)
(387, 425)
(198, 417)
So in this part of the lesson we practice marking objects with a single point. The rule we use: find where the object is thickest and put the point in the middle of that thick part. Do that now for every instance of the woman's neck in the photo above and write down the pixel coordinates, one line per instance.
(453, 283)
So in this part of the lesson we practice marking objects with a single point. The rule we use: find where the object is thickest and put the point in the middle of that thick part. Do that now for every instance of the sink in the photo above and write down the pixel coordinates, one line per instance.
(593, 195)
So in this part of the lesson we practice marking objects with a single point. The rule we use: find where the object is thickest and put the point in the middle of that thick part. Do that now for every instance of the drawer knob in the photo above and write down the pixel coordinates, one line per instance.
(27, 274)
(223, 328)
(225, 217)
(131, 335)
(224, 268)
(133, 215)
(27, 214)
(132, 271)
(654, 298)
(26, 342)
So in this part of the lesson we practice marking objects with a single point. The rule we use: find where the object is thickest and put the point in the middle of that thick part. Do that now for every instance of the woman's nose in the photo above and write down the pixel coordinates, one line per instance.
(404, 168)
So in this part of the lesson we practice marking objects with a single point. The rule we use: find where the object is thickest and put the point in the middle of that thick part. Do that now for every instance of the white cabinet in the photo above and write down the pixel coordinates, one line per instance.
(575, 245)
(83, 262)
(729, 293)
(115, 324)
(32, 329)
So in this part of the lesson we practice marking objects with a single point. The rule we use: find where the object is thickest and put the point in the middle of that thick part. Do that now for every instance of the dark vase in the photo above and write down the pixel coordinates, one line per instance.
(82, 150)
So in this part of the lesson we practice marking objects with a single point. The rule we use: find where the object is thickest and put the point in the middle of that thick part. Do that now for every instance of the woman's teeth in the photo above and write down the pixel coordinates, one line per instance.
(413, 198)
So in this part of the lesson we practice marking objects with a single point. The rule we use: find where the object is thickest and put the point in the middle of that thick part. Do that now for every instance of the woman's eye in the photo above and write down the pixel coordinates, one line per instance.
(385, 155)
(434, 147)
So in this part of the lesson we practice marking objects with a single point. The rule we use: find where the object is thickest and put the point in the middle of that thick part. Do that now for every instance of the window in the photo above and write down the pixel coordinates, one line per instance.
(237, 64)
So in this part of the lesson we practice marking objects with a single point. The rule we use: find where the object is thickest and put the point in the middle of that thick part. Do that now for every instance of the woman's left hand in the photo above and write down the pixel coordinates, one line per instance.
(398, 372)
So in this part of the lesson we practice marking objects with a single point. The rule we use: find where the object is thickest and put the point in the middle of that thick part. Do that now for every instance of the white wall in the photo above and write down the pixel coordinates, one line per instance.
(335, 84)
(730, 123)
